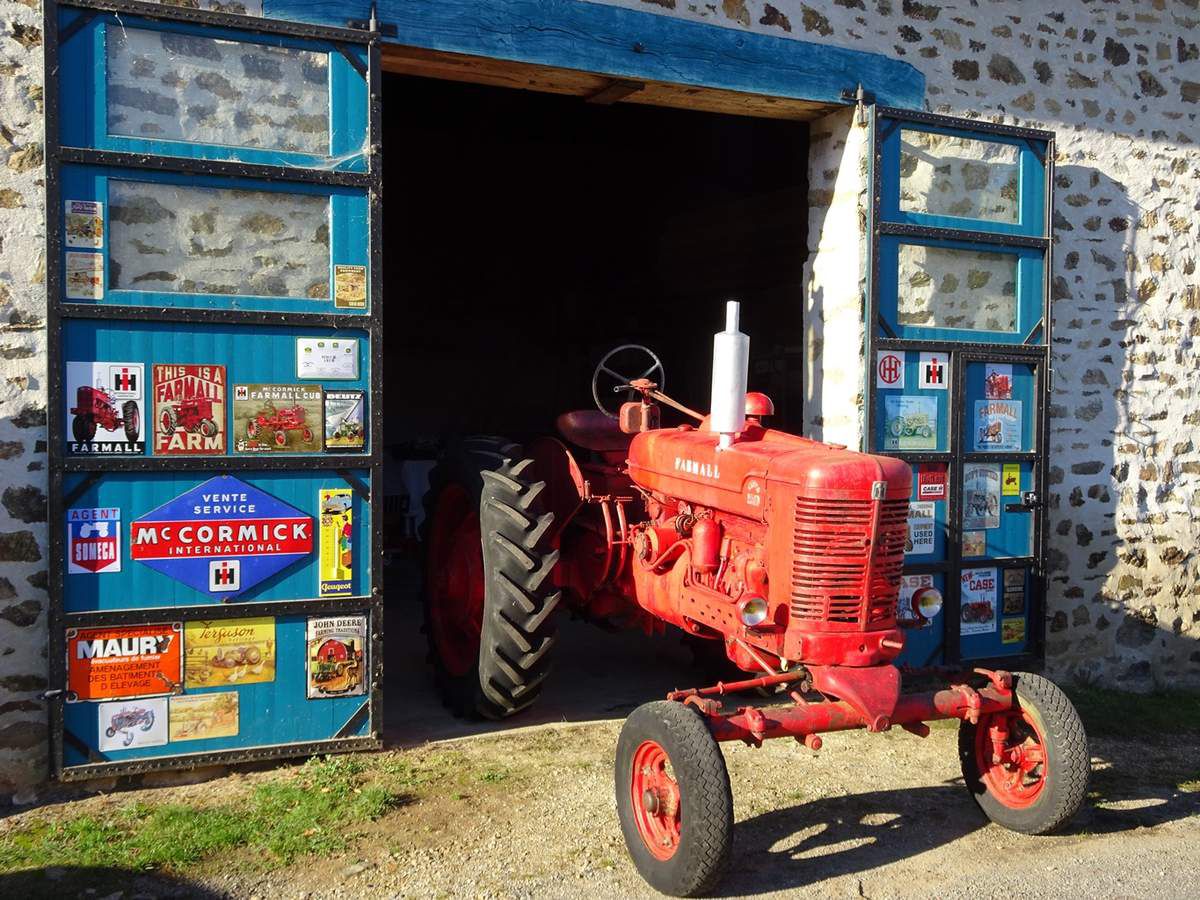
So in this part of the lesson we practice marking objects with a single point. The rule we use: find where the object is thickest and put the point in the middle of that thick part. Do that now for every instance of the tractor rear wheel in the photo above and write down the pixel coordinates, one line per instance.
(673, 799)
(1040, 778)
(489, 602)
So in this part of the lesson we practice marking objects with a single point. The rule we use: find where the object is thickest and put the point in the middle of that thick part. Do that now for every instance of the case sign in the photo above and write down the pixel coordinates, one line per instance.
(978, 601)
(93, 541)
(124, 661)
(222, 537)
(931, 481)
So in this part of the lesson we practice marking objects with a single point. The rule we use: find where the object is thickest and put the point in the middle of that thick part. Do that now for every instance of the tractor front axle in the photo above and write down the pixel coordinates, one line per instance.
(804, 720)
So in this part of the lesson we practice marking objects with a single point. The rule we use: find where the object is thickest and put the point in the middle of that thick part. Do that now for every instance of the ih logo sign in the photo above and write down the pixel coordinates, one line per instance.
(222, 537)
(123, 382)
(224, 575)
(889, 369)
(933, 371)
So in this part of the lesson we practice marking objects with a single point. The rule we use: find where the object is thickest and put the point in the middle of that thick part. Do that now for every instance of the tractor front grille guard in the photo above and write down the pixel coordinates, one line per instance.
(847, 557)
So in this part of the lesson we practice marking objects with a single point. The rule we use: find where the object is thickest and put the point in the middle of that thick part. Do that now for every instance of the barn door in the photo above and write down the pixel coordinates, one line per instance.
(958, 373)
(214, 324)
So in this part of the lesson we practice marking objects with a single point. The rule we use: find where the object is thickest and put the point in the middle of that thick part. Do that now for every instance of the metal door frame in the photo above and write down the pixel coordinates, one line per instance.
(1034, 350)
(59, 310)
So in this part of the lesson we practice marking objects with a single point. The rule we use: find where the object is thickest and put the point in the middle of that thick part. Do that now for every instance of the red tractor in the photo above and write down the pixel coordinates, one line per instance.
(278, 423)
(785, 552)
(95, 408)
(192, 415)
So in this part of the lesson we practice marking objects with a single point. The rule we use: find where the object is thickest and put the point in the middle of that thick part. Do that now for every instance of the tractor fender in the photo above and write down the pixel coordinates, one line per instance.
(566, 487)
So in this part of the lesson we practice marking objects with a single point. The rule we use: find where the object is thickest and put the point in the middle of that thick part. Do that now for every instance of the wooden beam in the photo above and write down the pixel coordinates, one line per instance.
(629, 44)
(617, 90)
(547, 79)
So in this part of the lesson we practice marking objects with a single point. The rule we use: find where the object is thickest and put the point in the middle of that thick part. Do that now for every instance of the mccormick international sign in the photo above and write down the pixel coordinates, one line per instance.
(222, 537)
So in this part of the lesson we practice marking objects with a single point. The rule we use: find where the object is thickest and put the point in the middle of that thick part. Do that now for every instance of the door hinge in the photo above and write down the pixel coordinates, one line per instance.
(860, 98)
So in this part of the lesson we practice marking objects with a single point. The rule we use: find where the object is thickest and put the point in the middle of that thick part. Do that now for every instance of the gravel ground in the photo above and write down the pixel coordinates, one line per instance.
(869, 816)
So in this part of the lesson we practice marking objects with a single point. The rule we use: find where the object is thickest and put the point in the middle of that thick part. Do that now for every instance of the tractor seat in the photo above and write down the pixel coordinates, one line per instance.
(593, 430)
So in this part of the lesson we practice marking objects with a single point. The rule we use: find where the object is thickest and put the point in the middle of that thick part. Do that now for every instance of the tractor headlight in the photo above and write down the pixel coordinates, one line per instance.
(927, 602)
(753, 611)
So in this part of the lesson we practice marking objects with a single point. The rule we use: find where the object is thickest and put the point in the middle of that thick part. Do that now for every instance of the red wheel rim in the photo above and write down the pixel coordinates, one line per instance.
(655, 800)
(455, 580)
(1010, 753)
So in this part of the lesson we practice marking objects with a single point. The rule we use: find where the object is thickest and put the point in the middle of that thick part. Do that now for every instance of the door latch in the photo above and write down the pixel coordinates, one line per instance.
(1030, 500)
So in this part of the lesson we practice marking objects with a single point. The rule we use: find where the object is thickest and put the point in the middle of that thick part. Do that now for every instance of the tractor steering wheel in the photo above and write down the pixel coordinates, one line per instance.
(625, 358)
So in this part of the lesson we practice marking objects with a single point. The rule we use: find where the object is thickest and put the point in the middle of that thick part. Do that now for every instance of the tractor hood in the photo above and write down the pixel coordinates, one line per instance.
(684, 462)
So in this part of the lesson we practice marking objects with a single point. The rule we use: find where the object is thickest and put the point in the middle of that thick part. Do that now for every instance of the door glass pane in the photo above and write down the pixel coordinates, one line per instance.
(199, 240)
(942, 287)
(180, 87)
(945, 175)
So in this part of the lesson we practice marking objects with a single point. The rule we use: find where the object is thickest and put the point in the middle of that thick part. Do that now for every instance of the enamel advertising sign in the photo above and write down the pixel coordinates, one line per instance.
(189, 410)
(93, 541)
(222, 537)
(105, 408)
(124, 661)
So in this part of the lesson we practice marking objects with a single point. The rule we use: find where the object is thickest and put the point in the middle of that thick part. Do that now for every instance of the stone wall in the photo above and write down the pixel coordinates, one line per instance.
(22, 400)
(834, 305)
(1120, 85)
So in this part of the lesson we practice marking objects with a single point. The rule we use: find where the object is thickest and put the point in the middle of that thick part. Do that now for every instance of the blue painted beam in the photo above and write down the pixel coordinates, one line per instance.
(629, 44)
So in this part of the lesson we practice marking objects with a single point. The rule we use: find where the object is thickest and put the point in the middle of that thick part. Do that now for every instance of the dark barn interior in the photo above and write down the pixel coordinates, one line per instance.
(526, 234)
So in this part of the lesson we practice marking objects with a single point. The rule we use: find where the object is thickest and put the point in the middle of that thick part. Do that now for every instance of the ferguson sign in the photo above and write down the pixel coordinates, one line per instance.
(227, 522)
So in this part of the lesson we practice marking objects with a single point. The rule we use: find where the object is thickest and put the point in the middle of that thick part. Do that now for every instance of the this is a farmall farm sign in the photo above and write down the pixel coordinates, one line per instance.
(222, 537)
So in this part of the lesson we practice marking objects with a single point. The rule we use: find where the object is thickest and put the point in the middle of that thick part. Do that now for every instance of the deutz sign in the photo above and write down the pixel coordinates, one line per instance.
(222, 537)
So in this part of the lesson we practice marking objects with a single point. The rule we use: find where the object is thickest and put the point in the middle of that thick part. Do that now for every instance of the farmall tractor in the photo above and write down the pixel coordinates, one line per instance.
(277, 423)
(192, 415)
(95, 408)
(784, 552)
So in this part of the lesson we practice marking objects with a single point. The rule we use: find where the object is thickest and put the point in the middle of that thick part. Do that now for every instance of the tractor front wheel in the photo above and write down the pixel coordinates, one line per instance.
(489, 600)
(673, 799)
(1028, 767)
(83, 428)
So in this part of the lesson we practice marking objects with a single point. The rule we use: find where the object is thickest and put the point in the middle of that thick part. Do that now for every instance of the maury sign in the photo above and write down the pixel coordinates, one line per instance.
(222, 537)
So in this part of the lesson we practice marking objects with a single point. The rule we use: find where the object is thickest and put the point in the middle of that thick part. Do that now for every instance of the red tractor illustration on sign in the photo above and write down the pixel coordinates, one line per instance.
(192, 415)
(278, 423)
(95, 408)
(125, 720)
(997, 386)
(783, 553)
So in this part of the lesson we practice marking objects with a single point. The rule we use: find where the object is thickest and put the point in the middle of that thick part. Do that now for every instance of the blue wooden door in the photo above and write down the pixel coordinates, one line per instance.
(957, 373)
(214, 413)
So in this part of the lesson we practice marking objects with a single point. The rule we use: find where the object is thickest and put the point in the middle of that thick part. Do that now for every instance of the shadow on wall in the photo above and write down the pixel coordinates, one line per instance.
(1122, 584)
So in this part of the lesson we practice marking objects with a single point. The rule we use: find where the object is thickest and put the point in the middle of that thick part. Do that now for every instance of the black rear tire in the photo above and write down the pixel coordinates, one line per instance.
(1066, 769)
(131, 420)
(519, 627)
(705, 799)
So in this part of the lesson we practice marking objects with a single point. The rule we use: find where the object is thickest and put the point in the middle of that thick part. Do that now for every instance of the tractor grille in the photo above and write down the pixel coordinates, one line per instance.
(834, 578)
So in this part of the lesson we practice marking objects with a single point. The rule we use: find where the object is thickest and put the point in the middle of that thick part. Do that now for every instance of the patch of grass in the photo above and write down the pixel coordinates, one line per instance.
(494, 774)
(1122, 714)
(313, 811)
